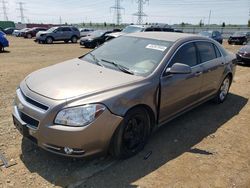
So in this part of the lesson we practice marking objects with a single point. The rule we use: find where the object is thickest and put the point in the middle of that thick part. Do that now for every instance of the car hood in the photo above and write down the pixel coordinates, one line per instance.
(88, 37)
(75, 78)
(117, 34)
(245, 48)
(41, 32)
(237, 36)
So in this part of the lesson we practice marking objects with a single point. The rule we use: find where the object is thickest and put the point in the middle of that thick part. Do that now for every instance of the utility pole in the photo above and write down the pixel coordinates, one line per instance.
(140, 13)
(4, 10)
(209, 17)
(117, 11)
(60, 20)
(21, 9)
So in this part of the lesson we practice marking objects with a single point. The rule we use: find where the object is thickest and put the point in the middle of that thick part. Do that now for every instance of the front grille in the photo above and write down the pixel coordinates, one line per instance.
(35, 103)
(29, 120)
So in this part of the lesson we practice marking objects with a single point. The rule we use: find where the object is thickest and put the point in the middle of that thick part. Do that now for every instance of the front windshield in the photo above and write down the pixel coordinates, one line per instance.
(52, 29)
(239, 33)
(131, 29)
(97, 33)
(206, 33)
(139, 55)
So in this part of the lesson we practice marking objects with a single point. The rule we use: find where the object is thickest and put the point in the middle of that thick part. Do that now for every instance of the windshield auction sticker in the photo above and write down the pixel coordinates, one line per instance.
(156, 47)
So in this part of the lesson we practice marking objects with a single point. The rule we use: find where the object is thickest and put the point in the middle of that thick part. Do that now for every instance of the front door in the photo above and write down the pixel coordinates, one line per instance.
(179, 91)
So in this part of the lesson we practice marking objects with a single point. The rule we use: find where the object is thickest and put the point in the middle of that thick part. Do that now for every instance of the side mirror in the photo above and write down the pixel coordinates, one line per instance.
(179, 68)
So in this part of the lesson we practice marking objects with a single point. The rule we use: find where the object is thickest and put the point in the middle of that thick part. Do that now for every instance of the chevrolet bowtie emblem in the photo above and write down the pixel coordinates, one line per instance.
(20, 106)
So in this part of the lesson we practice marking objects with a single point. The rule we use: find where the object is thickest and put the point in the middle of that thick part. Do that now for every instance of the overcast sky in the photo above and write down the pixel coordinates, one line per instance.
(158, 11)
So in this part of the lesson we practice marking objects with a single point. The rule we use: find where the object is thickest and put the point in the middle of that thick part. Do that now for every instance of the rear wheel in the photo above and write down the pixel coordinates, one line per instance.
(74, 39)
(49, 40)
(132, 134)
(223, 91)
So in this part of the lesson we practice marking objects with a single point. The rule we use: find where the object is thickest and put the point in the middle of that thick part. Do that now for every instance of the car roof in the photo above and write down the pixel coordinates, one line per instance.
(167, 36)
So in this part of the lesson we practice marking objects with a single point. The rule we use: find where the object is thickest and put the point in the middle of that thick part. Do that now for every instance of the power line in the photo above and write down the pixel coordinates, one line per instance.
(117, 11)
(4, 10)
(21, 9)
(140, 13)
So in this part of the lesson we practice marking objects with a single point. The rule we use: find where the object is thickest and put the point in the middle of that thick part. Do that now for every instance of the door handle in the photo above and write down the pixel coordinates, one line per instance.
(198, 73)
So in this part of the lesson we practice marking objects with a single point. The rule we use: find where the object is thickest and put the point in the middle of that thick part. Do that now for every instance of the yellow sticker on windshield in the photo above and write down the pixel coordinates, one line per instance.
(156, 47)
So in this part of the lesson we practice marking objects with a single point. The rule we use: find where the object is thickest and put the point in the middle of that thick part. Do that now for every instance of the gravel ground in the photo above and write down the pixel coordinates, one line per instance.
(206, 147)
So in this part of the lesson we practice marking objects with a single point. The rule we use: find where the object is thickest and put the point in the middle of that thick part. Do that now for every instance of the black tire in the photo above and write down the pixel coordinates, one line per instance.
(66, 41)
(29, 36)
(49, 40)
(131, 135)
(223, 90)
(1, 48)
(74, 39)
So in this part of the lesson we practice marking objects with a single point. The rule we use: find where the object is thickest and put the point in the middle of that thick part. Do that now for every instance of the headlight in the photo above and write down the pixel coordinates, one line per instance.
(90, 39)
(80, 115)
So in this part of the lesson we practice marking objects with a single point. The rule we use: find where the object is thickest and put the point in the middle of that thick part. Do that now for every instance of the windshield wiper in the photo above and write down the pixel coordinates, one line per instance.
(120, 67)
(97, 61)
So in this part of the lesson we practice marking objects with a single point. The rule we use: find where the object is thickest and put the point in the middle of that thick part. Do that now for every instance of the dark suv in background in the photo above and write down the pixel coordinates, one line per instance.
(216, 35)
(33, 31)
(61, 33)
(239, 37)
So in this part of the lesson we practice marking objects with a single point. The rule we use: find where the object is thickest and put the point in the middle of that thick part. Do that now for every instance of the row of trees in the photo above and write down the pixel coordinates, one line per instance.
(200, 24)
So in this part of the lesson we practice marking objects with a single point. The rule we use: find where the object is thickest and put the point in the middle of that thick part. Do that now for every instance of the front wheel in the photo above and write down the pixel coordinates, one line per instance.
(132, 134)
(223, 91)
(74, 39)
(49, 40)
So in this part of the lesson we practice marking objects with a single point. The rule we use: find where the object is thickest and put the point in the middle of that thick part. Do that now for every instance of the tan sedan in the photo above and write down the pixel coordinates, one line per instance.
(112, 98)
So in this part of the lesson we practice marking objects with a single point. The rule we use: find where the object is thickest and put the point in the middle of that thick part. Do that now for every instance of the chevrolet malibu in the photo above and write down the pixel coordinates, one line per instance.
(112, 98)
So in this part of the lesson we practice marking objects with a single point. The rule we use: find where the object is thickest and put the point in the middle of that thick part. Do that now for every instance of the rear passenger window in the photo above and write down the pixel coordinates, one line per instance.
(75, 29)
(218, 54)
(186, 55)
(66, 29)
(207, 51)
(149, 29)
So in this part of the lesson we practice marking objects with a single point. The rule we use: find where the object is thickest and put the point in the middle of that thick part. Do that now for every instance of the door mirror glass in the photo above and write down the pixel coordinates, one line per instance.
(179, 68)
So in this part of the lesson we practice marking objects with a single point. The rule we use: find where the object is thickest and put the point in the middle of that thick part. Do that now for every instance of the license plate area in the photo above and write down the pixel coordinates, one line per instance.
(23, 129)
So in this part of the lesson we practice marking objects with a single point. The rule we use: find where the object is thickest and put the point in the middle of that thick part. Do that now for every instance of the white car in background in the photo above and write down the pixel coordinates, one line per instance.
(18, 33)
(85, 31)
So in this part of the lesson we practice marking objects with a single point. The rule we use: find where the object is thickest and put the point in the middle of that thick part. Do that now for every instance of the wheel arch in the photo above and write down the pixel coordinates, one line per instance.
(149, 111)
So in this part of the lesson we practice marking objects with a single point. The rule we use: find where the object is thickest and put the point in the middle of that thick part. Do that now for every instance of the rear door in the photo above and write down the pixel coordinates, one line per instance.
(180, 91)
(58, 35)
(213, 67)
(66, 33)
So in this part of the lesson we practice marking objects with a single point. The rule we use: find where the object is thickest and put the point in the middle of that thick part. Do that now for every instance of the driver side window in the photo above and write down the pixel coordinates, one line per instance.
(186, 55)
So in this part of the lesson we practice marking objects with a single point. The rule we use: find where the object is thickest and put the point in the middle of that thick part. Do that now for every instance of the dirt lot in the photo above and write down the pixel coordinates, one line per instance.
(207, 147)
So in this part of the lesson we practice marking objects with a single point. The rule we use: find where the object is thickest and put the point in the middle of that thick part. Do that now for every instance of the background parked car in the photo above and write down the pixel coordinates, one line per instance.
(239, 37)
(139, 28)
(19, 33)
(216, 35)
(85, 31)
(243, 55)
(9, 30)
(33, 31)
(96, 38)
(3, 41)
(62, 33)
